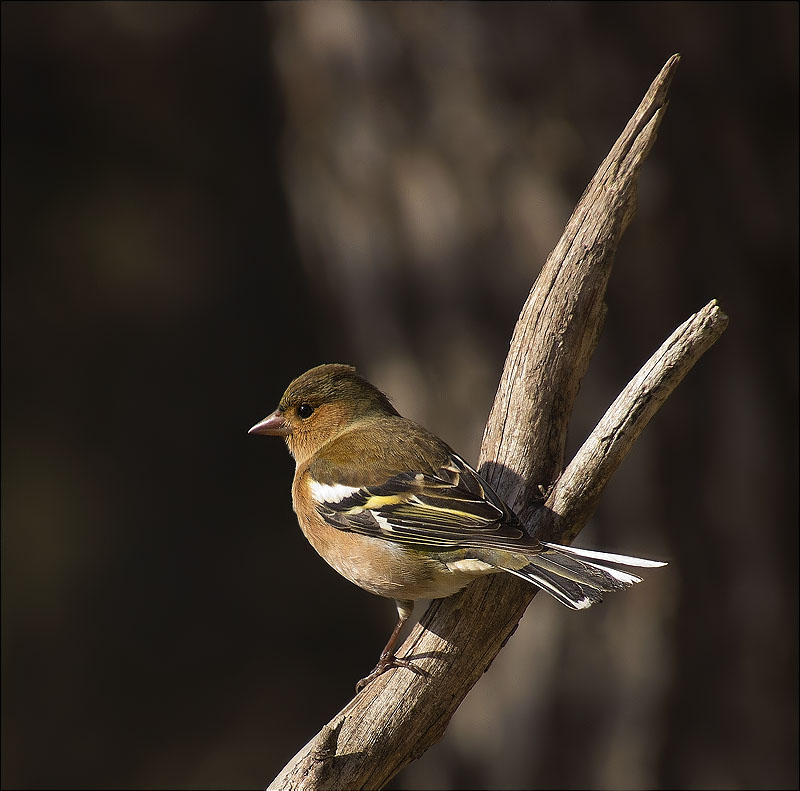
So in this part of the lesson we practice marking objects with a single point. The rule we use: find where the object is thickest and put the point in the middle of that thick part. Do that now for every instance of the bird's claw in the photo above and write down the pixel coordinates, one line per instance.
(387, 662)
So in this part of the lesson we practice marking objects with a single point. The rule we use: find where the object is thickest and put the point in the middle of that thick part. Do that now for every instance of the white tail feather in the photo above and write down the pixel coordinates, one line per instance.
(609, 557)
(622, 576)
(574, 601)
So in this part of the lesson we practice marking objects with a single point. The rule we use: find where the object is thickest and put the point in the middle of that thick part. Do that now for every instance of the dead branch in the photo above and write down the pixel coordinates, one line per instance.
(401, 714)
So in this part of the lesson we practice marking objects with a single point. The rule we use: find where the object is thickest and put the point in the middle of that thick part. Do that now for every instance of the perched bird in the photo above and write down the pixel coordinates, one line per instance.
(397, 512)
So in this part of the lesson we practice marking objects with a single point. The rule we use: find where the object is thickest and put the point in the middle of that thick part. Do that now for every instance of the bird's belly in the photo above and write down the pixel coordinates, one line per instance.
(383, 567)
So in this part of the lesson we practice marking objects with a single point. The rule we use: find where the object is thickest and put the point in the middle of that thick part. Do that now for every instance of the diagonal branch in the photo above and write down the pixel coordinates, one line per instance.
(561, 320)
(401, 714)
(574, 498)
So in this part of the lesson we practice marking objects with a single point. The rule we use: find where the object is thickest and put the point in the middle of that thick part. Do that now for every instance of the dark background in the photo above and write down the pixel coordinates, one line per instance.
(200, 201)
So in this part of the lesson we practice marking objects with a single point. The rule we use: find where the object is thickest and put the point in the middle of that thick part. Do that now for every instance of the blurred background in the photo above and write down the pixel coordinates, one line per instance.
(200, 201)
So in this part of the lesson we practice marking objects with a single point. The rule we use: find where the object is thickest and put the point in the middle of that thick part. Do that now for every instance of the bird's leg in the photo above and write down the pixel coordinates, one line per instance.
(388, 659)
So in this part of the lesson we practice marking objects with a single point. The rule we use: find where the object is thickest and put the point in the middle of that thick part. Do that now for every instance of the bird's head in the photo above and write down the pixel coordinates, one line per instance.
(319, 405)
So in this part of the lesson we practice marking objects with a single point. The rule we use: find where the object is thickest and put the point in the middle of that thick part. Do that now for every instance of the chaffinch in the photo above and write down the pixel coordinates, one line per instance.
(397, 512)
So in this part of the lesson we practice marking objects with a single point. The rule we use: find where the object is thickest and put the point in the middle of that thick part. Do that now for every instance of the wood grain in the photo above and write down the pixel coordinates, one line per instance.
(401, 714)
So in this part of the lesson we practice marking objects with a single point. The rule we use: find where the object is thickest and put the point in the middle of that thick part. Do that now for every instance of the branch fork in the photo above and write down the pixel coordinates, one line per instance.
(401, 714)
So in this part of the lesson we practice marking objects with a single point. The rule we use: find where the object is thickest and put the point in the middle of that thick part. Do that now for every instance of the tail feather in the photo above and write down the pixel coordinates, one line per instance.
(571, 594)
(577, 583)
(592, 574)
(609, 557)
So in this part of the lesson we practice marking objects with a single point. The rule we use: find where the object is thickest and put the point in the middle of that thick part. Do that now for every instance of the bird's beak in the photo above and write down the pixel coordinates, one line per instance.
(274, 425)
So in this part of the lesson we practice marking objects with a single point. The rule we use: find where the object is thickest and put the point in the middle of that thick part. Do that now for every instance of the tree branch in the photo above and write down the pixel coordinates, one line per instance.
(399, 715)
(574, 498)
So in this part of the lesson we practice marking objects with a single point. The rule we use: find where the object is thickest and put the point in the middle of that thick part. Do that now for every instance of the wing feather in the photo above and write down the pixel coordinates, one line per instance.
(450, 508)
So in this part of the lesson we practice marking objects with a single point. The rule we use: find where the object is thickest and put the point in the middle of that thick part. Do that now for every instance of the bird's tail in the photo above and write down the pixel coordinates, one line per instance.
(578, 577)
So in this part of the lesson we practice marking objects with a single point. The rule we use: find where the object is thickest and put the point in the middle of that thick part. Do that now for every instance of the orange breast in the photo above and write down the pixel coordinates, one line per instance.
(375, 564)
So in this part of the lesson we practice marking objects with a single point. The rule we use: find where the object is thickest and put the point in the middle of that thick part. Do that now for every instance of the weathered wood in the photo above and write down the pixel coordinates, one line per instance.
(574, 498)
(401, 714)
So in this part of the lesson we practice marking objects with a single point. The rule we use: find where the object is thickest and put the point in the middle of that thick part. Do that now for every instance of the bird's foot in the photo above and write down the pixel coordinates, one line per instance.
(387, 662)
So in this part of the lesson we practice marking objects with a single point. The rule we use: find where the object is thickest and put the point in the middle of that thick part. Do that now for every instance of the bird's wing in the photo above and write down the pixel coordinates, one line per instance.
(451, 508)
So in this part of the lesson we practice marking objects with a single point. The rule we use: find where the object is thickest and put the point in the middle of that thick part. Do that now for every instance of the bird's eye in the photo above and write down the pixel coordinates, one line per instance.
(305, 410)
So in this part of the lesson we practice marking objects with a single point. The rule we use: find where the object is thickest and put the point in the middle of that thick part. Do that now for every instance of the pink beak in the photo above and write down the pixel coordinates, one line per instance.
(273, 425)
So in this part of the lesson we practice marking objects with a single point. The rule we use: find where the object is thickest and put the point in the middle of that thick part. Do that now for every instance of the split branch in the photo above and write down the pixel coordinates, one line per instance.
(401, 714)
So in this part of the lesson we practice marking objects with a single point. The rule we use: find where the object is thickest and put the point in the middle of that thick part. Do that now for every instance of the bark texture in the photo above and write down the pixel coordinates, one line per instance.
(402, 714)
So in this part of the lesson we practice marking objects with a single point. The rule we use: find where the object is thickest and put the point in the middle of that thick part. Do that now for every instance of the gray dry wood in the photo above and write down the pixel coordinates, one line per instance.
(401, 714)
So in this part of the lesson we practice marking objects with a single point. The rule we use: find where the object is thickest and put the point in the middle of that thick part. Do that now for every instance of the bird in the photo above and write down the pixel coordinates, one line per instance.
(395, 510)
